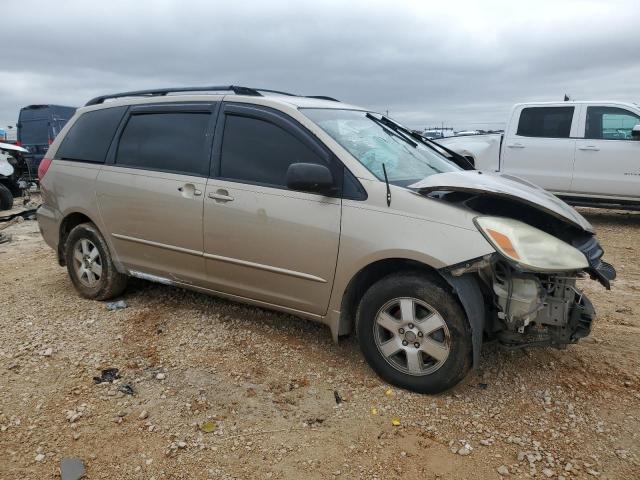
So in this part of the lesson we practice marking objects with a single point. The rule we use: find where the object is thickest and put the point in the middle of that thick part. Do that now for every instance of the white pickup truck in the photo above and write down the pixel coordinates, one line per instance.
(586, 152)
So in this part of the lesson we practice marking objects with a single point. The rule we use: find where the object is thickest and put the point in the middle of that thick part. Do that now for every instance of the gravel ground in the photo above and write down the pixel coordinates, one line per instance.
(222, 390)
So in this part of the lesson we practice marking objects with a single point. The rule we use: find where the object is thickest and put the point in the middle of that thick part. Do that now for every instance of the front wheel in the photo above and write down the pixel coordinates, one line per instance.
(414, 333)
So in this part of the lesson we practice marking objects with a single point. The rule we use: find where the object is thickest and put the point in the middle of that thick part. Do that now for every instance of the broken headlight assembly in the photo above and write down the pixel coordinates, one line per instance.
(528, 247)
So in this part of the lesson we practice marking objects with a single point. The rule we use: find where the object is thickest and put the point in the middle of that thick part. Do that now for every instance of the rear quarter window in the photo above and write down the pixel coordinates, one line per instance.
(547, 122)
(89, 138)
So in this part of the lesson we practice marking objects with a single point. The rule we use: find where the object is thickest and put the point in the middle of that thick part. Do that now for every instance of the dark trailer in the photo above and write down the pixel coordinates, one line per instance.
(38, 126)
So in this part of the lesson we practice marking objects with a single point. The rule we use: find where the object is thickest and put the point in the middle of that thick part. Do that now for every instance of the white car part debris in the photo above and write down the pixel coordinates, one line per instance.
(6, 169)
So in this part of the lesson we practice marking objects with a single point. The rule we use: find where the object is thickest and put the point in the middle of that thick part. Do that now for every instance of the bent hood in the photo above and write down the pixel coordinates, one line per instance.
(502, 185)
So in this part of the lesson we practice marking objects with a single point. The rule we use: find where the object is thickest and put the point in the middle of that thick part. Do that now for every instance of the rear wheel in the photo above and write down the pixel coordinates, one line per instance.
(6, 198)
(414, 334)
(90, 266)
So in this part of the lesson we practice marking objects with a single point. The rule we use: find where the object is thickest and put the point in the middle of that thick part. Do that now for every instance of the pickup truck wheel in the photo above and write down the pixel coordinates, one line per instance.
(414, 333)
(6, 198)
(90, 266)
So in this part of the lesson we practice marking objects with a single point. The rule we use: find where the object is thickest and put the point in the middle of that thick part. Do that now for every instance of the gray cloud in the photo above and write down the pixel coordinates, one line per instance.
(461, 63)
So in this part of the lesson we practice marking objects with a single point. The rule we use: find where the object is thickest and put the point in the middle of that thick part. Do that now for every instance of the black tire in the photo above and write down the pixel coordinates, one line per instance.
(110, 282)
(6, 198)
(428, 295)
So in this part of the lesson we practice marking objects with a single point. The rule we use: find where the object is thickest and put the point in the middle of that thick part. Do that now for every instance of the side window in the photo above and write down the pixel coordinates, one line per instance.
(548, 122)
(90, 136)
(168, 142)
(259, 152)
(610, 123)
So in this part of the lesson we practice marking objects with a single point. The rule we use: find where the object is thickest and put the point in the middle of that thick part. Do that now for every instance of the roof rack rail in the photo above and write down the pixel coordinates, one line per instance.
(160, 92)
(323, 97)
(164, 91)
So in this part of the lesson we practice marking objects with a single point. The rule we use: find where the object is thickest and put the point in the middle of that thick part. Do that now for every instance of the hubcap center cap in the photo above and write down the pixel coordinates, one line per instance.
(410, 336)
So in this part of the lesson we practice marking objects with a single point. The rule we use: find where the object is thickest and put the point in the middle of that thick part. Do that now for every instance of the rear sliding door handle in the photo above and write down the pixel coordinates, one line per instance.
(189, 190)
(515, 145)
(593, 148)
(221, 196)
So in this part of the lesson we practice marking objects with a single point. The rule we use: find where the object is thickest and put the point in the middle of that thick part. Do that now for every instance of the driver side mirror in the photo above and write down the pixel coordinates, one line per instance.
(635, 132)
(309, 177)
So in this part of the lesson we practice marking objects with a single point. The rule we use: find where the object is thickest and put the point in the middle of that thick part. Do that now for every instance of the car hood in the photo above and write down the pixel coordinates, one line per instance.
(502, 185)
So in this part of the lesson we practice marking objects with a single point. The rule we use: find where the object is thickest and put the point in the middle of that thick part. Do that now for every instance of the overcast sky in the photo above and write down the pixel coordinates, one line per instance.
(460, 62)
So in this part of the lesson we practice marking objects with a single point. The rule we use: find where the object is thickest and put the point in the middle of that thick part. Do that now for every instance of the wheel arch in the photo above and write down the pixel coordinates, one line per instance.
(365, 278)
(68, 223)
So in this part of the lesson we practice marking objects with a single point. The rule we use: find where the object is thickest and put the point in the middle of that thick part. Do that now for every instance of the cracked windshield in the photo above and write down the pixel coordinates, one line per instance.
(373, 145)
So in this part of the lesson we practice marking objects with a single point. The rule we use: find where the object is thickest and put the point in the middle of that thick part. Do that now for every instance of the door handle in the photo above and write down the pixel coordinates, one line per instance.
(220, 196)
(515, 145)
(189, 190)
(589, 147)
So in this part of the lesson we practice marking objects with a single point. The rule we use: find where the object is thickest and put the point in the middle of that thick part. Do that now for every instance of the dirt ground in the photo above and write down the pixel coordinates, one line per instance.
(222, 390)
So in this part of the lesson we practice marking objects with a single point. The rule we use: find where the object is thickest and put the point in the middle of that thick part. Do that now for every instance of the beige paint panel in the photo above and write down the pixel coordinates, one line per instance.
(272, 245)
(428, 231)
(154, 227)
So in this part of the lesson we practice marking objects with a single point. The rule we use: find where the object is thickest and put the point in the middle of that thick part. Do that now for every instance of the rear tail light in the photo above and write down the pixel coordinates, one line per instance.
(45, 163)
(50, 141)
(19, 143)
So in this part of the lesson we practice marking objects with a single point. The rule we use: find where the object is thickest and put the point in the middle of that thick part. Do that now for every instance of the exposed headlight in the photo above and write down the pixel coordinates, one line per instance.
(530, 247)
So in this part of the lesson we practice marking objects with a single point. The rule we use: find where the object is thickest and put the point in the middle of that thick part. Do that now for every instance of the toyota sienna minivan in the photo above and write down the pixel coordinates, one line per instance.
(321, 209)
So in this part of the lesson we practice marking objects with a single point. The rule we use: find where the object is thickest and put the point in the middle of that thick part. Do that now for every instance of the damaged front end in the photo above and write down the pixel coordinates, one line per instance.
(534, 309)
(543, 246)
(525, 308)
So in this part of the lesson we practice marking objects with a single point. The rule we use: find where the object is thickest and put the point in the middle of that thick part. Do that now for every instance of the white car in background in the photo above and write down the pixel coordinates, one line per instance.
(586, 152)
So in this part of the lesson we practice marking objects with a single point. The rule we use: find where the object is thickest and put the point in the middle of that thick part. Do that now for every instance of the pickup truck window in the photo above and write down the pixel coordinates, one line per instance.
(547, 122)
(610, 123)
(365, 137)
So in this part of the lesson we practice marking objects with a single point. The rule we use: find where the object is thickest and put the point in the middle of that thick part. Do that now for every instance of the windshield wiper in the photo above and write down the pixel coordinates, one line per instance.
(456, 158)
(394, 129)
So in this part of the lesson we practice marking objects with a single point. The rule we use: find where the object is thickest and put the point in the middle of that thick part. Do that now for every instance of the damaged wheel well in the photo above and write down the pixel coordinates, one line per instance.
(364, 279)
(70, 221)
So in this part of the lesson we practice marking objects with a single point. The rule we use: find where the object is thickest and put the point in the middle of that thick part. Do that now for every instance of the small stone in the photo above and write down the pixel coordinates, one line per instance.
(503, 470)
(47, 352)
(161, 376)
(593, 472)
(181, 444)
(40, 457)
(547, 472)
(143, 415)
(465, 450)
(568, 467)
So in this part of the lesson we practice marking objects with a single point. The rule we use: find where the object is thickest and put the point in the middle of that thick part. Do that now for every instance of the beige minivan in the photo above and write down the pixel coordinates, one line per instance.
(323, 210)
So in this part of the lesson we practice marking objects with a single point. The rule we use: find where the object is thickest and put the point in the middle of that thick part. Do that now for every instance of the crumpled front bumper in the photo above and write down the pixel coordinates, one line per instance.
(598, 269)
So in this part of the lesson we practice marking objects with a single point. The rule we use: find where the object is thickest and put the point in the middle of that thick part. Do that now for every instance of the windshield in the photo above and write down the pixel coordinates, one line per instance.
(374, 144)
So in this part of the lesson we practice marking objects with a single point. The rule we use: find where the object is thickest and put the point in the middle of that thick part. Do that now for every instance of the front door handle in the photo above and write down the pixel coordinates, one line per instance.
(221, 196)
(515, 145)
(589, 147)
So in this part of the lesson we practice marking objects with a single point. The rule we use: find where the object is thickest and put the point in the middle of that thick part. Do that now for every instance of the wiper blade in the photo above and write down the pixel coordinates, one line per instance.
(394, 129)
(458, 159)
